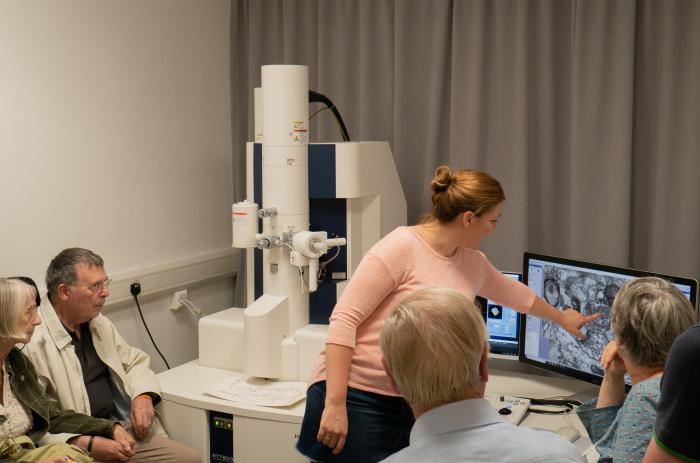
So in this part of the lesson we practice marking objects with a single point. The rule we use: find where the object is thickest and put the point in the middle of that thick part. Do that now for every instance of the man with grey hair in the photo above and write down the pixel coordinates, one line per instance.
(85, 365)
(435, 349)
(646, 317)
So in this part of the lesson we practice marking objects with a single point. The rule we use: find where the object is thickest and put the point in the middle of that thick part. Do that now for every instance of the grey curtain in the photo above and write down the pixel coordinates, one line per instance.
(588, 112)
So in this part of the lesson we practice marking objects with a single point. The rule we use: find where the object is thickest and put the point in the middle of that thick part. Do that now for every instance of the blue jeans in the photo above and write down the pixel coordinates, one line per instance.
(378, 425)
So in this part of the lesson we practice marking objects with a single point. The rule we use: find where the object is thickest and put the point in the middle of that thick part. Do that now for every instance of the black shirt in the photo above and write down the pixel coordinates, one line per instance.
(95, 374)
(676, 422)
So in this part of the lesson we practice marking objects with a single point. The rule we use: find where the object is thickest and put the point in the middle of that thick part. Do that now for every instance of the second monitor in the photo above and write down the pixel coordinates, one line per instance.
(502, 323)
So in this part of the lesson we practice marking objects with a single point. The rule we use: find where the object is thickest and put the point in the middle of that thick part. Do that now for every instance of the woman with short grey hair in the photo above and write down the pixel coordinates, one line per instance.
(647, 315)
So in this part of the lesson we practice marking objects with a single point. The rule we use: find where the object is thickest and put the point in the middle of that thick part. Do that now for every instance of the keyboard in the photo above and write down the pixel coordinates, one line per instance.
(511, 409)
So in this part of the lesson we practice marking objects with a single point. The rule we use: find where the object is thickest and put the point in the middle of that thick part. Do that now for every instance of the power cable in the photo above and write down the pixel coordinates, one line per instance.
(135, 291)
(315, 97)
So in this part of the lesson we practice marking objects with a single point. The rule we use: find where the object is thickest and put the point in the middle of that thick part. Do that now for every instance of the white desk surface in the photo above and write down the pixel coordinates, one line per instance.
(509, 377)
(185, 385)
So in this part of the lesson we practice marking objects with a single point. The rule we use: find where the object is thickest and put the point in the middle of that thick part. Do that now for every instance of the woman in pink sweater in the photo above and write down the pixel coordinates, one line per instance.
(353, 411)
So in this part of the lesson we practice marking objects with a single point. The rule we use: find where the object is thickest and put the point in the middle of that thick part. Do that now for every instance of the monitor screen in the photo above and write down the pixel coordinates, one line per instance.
(588, 288)
(502, 323)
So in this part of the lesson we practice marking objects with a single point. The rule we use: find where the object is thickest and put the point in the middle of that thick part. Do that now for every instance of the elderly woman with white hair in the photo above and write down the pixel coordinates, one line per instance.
(647, 315)
(25, 413)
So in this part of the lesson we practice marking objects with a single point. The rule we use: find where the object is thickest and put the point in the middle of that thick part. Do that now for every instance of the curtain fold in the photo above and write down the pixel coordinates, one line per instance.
(600, 118)
(586, 111)
(422, 72)
(666, 156)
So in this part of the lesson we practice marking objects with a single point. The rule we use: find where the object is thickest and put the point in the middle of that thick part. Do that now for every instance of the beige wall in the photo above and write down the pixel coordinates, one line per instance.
(115, 134)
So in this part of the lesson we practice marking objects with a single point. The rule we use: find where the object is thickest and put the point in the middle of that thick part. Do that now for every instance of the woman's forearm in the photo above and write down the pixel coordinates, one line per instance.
(612, 390)
(338, 360)
(541, 309)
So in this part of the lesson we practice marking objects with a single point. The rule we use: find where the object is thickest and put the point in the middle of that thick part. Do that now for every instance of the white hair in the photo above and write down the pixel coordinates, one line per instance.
(647, 315)
(15, 295)
(433, 342)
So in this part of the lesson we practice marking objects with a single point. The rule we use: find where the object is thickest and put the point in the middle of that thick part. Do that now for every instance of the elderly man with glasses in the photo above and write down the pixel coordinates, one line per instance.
(85, 364)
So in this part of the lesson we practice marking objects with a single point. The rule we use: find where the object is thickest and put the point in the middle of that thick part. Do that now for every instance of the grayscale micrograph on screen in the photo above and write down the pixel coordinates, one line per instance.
(588, 293)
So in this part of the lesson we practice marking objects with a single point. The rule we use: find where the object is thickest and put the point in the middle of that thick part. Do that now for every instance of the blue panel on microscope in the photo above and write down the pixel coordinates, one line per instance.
(258, 197)
(322, 171)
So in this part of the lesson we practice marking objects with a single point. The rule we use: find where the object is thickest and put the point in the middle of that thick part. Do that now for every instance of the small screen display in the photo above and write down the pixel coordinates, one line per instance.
(502, 323)
(585, 287)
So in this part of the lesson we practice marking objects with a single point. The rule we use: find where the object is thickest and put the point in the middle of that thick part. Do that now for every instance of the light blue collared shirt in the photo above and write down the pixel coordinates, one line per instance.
(622, 432)
(472, 431)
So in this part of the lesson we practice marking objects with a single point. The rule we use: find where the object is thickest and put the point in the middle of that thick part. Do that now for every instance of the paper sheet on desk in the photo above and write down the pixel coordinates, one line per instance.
(258, 391)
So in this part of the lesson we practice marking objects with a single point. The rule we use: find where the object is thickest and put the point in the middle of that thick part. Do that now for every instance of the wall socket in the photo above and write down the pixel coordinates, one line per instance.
(175, 303)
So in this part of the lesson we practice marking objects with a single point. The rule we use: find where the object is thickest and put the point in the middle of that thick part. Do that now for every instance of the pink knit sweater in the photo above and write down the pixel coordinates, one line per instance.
(400, 263)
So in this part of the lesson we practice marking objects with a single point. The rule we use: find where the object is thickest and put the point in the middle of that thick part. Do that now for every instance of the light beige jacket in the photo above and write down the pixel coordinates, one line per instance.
(59, 370)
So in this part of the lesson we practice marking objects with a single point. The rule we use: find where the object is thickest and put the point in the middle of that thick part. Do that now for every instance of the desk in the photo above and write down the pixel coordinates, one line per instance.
(260, 434)
(509, 377)
(264, 434)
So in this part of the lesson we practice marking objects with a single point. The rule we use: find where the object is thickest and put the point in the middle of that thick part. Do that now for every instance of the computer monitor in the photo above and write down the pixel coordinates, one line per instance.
(588, 288)
(503, 324)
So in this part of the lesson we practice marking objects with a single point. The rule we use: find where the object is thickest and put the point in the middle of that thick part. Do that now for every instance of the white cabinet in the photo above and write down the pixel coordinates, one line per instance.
(186, 424)
(260, 434)
(256, 440)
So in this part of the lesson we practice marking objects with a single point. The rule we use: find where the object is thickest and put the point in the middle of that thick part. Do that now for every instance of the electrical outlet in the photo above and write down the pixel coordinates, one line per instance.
(175, 303)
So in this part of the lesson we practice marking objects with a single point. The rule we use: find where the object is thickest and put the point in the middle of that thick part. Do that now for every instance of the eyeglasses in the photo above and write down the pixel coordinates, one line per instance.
(32, 311)
(97, 287)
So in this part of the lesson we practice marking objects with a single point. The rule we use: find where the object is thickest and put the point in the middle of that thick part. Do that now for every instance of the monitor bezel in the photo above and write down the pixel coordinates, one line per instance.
(483, 303)
(635, 273)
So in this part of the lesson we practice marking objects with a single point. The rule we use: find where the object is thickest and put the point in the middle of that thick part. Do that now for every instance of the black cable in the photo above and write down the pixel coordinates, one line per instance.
(315, 97)
(135, 290)
(314, 114)
(567, 405)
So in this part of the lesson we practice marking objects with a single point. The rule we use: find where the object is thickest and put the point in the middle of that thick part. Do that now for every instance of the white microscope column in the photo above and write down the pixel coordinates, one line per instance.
(285, 159)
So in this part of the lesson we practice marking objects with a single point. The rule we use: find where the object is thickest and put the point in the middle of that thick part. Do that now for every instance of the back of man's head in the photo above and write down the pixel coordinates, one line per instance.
(62, 268)
(433, 343)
